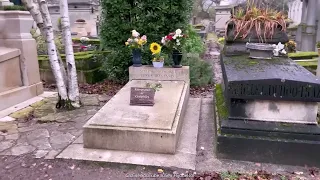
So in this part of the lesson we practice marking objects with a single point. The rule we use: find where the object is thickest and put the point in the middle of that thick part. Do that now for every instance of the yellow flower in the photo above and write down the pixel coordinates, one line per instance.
(140, 42)
(155, 48)
(127, 43)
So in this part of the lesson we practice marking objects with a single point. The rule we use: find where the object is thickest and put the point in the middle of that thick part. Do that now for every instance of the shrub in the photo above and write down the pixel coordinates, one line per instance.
(42, 46)
(200, 71)
(318, 44)
(14, 8)
(194, 43)
(152, 18)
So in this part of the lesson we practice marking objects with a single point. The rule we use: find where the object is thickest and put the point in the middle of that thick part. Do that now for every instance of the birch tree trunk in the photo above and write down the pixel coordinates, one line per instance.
(73, 89)
(33, 8)
(52, 51)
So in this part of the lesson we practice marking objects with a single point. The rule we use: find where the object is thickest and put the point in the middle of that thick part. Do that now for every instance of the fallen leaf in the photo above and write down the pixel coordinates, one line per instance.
(72, 167)
(160, 171)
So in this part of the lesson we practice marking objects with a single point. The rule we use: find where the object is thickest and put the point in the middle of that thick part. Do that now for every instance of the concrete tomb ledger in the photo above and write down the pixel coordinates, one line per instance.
(155, 129)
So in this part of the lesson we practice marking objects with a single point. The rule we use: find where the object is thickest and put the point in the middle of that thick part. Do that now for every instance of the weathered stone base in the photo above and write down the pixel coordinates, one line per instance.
(185, 156)
(269, 142)
(155, 129)
(18, 95)
(275, 111)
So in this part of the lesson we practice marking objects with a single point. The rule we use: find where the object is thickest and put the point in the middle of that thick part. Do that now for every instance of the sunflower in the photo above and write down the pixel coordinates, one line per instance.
(155, 48)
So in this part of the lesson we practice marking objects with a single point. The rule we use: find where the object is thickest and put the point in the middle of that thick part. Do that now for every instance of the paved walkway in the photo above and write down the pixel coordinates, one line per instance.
(42, 130)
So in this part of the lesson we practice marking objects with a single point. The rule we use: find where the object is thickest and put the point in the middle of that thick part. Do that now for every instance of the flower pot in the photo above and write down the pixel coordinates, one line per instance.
(158, 64)
(136, 57)
(260, 50)
(176, 57)
(17, 24)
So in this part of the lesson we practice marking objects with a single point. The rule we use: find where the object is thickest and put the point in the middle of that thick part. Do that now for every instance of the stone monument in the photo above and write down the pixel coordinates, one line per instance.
(155, 128)
(19, 68)
(266, 109)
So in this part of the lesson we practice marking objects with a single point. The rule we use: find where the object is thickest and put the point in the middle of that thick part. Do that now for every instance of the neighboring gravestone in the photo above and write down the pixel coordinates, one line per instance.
(270, 90)
(266, 109)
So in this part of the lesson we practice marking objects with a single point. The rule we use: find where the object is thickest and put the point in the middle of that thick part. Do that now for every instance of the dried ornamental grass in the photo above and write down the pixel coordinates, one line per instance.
(263, 21)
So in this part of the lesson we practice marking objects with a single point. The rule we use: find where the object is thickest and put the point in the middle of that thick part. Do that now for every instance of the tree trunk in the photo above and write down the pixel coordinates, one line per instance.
(52, 52)
(73, 89)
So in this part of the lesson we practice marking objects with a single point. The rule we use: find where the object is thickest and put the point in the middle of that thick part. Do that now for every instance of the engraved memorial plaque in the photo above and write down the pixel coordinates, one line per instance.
(142, 96)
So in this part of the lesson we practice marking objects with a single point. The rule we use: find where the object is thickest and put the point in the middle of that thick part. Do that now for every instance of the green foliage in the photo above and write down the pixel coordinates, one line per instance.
(90, 41)
(42, 45)
(221, 40)
(194, 43)
(303, 55)
(152, 18)
(318, 44)
(221, 103)
(13, 8)
(200, 71)
(87, 55)
(59, 24)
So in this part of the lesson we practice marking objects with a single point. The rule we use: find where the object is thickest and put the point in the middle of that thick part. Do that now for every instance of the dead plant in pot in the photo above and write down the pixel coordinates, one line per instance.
(256, 24)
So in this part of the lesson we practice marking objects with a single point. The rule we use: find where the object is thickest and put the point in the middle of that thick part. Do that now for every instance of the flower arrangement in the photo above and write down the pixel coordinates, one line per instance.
(174, 40)
(155, 48)
(279, 49)
(135, 41)
(291, 46)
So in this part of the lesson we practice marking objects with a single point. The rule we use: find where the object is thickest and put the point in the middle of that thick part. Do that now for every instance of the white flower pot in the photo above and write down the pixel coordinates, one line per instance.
(158, 64)
(17, 24)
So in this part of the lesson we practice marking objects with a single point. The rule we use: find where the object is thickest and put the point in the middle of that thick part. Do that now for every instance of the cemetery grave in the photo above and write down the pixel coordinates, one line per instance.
(266, 109)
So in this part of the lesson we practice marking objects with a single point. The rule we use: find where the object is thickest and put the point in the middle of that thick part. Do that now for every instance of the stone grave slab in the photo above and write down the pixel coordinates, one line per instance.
(277, 90)
(154, 129)
(185, 156)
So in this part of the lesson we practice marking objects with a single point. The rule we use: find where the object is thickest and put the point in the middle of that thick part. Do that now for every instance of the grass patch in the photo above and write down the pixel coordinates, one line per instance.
(221, 103)
(303, 55)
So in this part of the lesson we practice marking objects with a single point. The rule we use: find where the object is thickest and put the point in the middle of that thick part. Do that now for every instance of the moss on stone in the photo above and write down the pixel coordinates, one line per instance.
(23, 113)
(303, 55)
(220, 103)
(39, 103)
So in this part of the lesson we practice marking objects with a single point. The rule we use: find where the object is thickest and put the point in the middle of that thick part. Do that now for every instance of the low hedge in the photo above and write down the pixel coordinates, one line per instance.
(91, 41)
(303, 55)
(77, 55)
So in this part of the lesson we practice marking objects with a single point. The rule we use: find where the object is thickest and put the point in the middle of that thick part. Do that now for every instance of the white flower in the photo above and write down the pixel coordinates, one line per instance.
(276, 52)
(174, 37)
(178, 31)
(283, 51)
(135, 33)
(280, 46)
(177, 40)
(178, 43)
(163, 41)
(136, 40)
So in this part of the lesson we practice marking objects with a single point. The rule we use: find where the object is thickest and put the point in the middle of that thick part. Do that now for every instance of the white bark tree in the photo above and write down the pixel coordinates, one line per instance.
(40, 13)
(73, 90)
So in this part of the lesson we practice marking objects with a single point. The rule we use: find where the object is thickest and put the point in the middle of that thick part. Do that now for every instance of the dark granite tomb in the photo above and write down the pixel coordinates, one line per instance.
(285, 129)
